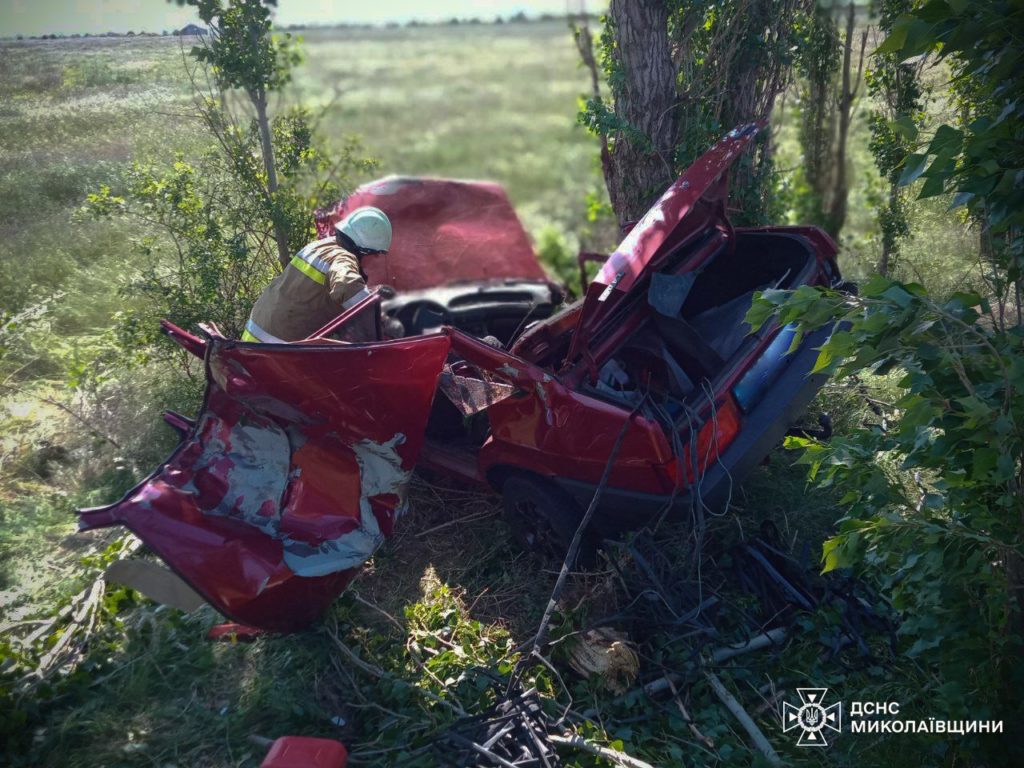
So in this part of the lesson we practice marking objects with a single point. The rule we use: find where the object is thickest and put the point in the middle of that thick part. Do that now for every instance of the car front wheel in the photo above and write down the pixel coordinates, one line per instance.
(543, 518)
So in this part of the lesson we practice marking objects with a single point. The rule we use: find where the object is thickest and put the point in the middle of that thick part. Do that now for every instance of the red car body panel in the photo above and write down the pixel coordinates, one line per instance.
(445, 231)
(293, 474)
(693, 205)
(545, 419)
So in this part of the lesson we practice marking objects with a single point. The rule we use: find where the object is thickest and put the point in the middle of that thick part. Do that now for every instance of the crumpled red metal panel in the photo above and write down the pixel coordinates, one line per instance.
(676, 204)
(690, 207)
(445, 231)
(294, 473)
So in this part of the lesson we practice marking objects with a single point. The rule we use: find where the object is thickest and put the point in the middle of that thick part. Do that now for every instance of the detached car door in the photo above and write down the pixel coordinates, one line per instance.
(293, 473)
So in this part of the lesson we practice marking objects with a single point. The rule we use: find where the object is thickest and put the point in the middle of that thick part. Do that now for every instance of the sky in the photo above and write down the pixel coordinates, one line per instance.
(40, 17)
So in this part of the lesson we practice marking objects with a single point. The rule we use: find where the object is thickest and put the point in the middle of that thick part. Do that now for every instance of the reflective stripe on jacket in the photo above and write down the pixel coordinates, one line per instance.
(320, 282)
(253, 332)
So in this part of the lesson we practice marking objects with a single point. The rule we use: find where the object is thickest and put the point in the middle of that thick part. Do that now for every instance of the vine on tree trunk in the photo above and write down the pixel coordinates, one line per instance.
(682, 74)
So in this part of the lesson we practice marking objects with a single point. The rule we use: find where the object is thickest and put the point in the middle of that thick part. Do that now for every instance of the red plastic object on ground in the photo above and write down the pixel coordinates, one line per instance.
(305, 752)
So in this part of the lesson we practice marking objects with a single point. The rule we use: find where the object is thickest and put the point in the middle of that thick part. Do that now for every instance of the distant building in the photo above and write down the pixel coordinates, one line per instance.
(190, 29)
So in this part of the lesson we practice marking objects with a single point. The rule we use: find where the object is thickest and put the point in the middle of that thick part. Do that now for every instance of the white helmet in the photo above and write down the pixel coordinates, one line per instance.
(368, 228)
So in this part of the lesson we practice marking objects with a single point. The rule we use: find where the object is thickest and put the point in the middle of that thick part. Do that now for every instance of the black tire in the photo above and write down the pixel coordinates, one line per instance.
(543, 518)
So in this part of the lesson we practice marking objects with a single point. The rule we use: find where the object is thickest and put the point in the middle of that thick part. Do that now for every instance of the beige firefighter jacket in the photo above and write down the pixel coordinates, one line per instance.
(321, 282)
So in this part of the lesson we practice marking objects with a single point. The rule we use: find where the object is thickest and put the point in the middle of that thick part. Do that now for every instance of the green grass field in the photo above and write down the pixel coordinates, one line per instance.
(492, 101)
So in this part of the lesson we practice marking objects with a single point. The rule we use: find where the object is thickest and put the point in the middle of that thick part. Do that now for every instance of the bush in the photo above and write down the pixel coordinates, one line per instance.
(95, 72)
(205, 240)
(935, 503)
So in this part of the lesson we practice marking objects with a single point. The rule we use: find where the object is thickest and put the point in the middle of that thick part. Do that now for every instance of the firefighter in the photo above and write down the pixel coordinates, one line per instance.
(322, 280)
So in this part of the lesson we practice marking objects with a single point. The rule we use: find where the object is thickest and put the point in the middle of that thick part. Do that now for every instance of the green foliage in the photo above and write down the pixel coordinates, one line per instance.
(731, 60)
(214, 270)
(895, 125)
(600, 119)
(935, 500)
(981, 162)
(935, 495)
(243, 53)
(556, 252)
(817, 63)
(204, 240)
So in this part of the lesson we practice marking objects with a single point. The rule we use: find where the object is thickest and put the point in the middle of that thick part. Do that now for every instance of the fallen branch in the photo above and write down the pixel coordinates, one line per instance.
(83, 611)
(662, 684)
(78, 618)
(756, 736)
(707, 742)
(471, 518)
(372, 605)
(619, 758)
(540, 639)
(380, 674)
(69, 411)
(719, 655)
(482, 751)
(764, 640)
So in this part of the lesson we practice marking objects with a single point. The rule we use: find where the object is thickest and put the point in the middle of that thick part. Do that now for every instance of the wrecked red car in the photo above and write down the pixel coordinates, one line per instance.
(296, 468)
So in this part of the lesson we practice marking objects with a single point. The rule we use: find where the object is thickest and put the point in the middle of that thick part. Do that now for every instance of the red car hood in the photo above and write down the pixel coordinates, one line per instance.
(689, 209)
(445, 231)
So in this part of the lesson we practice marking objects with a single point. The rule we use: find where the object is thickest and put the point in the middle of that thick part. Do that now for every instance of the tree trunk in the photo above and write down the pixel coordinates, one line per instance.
(817, 97)
(883, 260)
(639, 163)
(838, 206)
(259, 99)
(888, 240)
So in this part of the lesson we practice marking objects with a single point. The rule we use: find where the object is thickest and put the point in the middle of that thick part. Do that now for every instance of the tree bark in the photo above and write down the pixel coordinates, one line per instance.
(259, 99)
(838, 206)
(639, 161)
(885, 260)
(817, 97)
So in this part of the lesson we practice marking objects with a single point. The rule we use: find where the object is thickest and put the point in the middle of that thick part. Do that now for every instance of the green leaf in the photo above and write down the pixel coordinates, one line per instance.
(922, 645)
(896, 39)
(961, 198)
(1006, 468)
(913, 167)
(945, 138)
(834, 554)
(876, 286)
(963, 300)
(932, 187)
(934, 11)
(823, 362)
(905, 127)
(898, 296)
(919, 39)
(984, 462)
